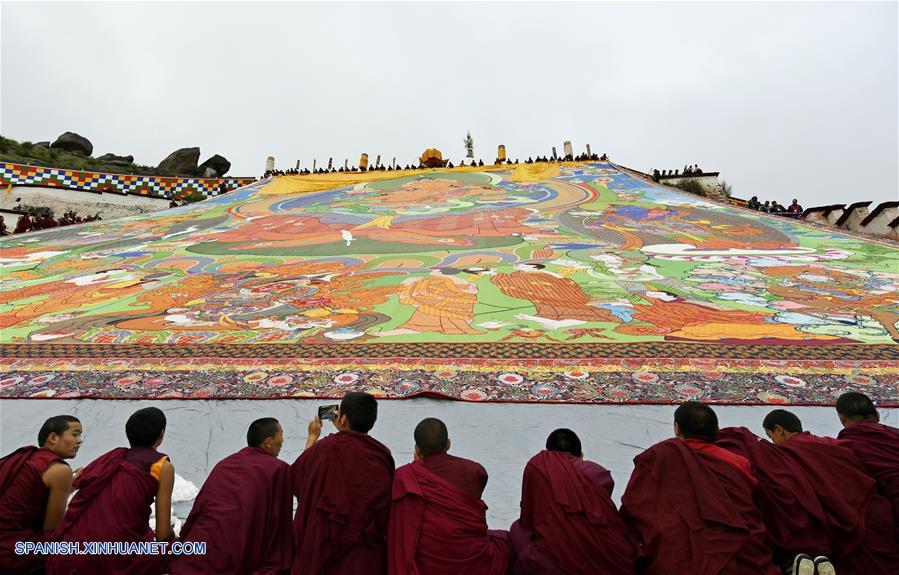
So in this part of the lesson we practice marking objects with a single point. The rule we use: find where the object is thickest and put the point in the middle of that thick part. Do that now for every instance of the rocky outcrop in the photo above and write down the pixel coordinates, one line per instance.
(183, 161)
(113, 159)
(217, 163)
(72, 142)
(42, 144)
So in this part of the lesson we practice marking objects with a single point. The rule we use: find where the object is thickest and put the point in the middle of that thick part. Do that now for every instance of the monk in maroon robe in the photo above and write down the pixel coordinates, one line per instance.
(115, 492)
(569, 524)
(342, 485)
(859, 519)
(793, 516)
(34, 485)
(438, 521)
(24, 225)
(875, 444)
(243, 511)
(691, 502)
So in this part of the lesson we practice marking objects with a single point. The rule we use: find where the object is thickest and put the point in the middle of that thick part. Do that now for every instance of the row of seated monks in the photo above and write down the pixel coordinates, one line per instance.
(40, 220)
(709, 501)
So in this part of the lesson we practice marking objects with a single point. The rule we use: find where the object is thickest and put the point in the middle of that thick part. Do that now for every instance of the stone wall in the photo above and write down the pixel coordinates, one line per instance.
(881, 221)
(709, 182)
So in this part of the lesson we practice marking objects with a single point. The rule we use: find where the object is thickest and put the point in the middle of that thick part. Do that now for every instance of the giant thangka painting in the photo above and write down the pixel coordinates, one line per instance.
(577, 283)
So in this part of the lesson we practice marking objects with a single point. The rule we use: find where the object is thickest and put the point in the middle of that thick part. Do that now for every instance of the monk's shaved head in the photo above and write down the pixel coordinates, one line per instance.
(260, 429)
(787, 420)
(857, 407)
(145, 426)
(360, 409)
(564, 440)
(431, 436)
(697, 421)
(57, 424)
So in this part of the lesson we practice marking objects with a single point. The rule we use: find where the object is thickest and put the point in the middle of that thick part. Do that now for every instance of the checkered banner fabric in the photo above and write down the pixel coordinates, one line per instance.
(21, 175)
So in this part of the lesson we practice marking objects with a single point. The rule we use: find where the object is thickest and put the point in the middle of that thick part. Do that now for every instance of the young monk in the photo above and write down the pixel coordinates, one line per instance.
(342, 485)
(34, 485)
(115, 492)
(793, 516)
(569, 524)
(692, 504)
(438, 522)
(243, 511)
(875, 444)
(859, 520)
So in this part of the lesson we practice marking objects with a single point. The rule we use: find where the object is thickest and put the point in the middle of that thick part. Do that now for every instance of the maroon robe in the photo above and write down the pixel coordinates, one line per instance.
(695, 513)
(793, 516)
(436, 528)
(469, 476)
(877, 446)
(243, 513)
(342, 486)
(115, 492)
(859, 520)
(569, 524)
(23, 225)
(23, 506)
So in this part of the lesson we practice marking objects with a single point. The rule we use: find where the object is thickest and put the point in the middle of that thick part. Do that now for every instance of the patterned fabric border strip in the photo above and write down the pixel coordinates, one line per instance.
(546, 381)
(22, 175)
(477, 351)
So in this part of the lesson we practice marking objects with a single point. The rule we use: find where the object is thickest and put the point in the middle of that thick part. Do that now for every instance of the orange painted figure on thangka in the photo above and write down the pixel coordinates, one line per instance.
(817, 290)
(68, 295)
(288, 298)
(633, 227)
(428, 191)
(677, 318)
(443, 230)
(556, 298)
(443, 304)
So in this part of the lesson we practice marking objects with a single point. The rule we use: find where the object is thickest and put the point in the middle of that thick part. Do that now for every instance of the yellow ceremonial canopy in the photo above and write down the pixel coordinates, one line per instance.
(432, 158)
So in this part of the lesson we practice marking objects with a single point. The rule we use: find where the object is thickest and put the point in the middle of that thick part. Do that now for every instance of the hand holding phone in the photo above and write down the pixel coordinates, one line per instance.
(327, 412)
(314, 430)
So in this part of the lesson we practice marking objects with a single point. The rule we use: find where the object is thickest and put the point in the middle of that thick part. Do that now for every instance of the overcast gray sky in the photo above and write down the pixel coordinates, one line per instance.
(784, 99)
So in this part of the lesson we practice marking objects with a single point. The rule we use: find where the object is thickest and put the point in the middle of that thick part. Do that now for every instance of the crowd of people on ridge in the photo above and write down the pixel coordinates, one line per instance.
(420, 166)
(41, 218)
(794, 210)
(33, 219)
(693, 170)
(341, 170)
(569, 158)
(708, 501)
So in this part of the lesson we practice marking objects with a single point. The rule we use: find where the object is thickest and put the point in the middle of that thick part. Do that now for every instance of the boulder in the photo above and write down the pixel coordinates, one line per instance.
(209, 172)
(113, 159)
(72, 142)
(183, 161)
(218, 163)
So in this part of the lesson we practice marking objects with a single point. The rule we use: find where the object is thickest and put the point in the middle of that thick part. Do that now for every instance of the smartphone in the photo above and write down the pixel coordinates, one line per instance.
(327, 412)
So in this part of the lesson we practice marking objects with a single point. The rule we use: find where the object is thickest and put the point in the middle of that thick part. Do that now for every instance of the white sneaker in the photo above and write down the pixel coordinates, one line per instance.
(823, 566)
(803, 565)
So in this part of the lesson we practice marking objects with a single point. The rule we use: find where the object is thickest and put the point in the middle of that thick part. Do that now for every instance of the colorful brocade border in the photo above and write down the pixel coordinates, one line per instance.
(22, 175)
(475, 351)
(304, 371)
